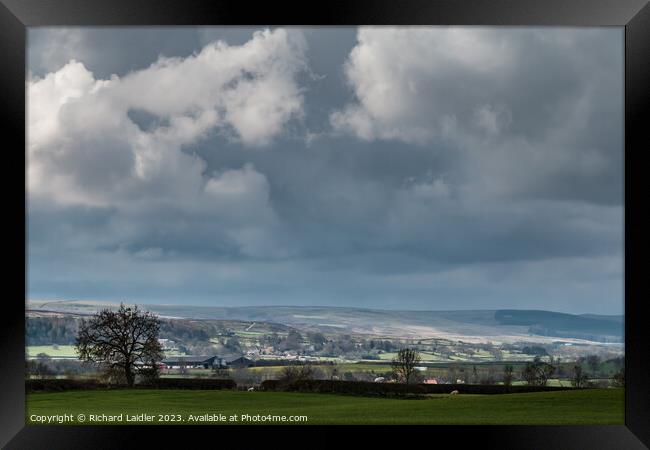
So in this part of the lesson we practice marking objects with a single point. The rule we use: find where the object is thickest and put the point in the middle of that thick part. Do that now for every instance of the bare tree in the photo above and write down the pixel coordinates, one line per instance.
(508, 375)
(405, 362)
(579, 378)
(475, 378)
(452, 372)
(38, 369)
(619, 378)
(124, 341)
(182, 366)
(538, 372)
(297, 373)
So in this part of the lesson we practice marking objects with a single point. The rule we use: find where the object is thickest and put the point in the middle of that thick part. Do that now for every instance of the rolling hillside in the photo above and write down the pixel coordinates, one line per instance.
(478, 325)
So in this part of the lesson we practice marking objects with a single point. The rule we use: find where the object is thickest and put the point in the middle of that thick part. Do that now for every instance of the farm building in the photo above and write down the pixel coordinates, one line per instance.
(238, 362)
(207, 362)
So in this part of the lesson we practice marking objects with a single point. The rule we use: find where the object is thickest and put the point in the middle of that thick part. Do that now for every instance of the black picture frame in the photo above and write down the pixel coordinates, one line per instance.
(634, 15)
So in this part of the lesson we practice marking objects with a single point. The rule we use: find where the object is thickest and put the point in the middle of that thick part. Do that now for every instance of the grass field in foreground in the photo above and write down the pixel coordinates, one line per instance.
(597, 406)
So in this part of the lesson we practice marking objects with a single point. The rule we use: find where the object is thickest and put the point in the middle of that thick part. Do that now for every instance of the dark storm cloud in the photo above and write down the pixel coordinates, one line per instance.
(490, 174)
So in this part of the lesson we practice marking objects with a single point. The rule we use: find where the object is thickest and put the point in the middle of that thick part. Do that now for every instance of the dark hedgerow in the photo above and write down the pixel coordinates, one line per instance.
(35, 385)
(49, 385)
(396, 389)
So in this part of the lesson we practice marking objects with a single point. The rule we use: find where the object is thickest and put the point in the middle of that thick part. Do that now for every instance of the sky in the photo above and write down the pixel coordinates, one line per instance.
(426, 168)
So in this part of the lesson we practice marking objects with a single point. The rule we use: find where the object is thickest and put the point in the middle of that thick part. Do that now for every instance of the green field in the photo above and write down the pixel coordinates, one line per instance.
(597, 406)
(51, 350)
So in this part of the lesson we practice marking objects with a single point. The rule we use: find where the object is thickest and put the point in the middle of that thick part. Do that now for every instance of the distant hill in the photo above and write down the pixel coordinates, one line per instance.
(469, 326)
(548, 323)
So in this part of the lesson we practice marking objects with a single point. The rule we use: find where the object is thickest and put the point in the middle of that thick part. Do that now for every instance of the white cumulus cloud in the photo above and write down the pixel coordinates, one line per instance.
(401, 78)
(84, 148)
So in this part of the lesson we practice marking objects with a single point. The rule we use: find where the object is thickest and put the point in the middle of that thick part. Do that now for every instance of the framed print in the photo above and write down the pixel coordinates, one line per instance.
(416, 219)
